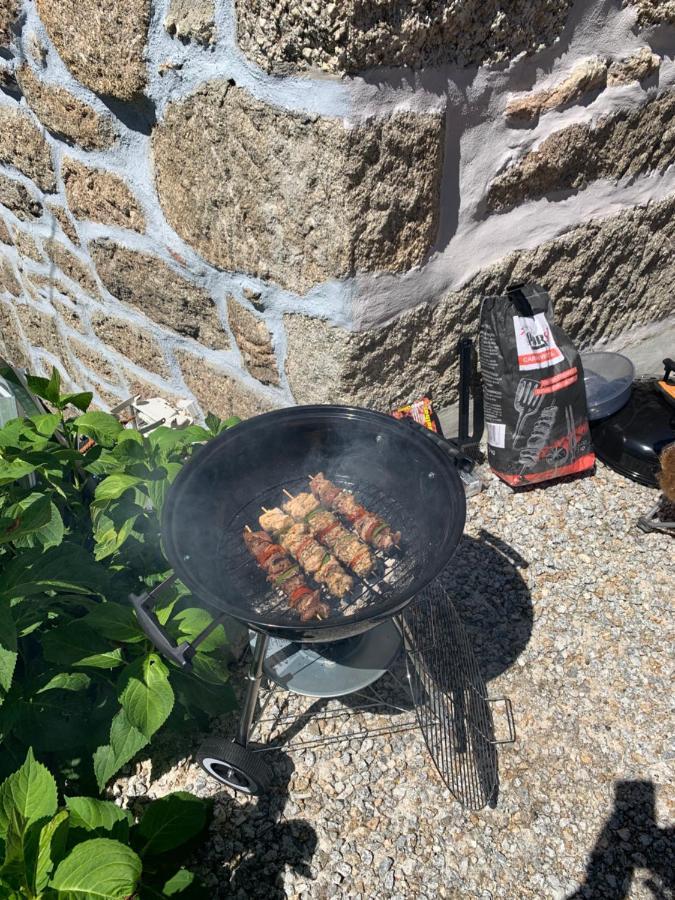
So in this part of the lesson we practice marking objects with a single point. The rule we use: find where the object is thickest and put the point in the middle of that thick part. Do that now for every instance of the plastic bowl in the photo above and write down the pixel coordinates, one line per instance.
(608, 379)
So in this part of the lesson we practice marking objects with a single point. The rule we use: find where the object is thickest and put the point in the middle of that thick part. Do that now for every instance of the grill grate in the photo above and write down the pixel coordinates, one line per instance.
(452, 707)
(394, 570)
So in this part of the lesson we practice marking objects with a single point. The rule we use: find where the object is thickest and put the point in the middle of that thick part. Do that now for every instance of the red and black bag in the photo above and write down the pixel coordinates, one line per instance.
(533, 385)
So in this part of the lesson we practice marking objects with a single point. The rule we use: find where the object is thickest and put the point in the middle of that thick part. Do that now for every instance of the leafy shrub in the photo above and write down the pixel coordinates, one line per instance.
(92, 848)
(79, 531)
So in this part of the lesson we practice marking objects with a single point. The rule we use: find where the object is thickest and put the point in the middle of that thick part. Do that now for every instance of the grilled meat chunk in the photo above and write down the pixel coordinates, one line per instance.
(285, 575)
(369, 526)
(275, 520)
(301, 506)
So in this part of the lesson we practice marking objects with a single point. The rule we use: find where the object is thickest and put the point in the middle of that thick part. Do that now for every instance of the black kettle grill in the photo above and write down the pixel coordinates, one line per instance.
(407, 476)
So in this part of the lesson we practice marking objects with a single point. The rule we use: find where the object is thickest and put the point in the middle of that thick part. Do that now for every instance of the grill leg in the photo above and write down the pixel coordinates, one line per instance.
(254, 678)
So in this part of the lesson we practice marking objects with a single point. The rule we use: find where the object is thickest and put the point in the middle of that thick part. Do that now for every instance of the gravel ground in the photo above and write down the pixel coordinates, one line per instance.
(569, 609)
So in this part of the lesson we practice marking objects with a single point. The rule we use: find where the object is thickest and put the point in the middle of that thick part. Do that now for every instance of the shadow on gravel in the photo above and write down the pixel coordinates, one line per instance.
(252, 842)
(631, 841)
(493, 600)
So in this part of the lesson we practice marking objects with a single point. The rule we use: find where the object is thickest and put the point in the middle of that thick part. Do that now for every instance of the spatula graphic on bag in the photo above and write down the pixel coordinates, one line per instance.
(526, 403)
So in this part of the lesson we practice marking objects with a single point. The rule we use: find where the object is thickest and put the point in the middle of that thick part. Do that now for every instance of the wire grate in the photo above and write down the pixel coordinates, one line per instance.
(450, 698)
(394, 570)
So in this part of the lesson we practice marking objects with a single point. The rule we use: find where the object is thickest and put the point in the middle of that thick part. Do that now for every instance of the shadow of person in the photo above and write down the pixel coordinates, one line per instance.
(254, 843)
(631, 840)
(493, 600)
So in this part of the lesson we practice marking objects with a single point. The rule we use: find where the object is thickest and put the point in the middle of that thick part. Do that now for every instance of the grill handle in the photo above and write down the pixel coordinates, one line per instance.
(180, 654)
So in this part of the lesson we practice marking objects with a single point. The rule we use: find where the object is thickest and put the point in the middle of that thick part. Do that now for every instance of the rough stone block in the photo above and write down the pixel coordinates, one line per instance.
(101, 41)
(100, 196)
(68, 313)
(14, 348)
(87, 356)
(163, 295)
(635, 68)
(148, 389)
(40, 328)
(296, 198)
(129, 339)
(4, 233)
(64, 115)
(629, 142)
(255, 342)
(24, 147)
(26, 245)
(604, 277)
(64, 221)
(220, 393)
(192, 20)
(72, 267)
(18, 199)
(587, 76)
(653, 12)
(353, 35)
(8, 280)
(9, 12)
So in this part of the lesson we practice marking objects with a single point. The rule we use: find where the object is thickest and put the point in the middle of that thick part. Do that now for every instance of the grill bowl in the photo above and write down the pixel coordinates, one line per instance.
(403, 473)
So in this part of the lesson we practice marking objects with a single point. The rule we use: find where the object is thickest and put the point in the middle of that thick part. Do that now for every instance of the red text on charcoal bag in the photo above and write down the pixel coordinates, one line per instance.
(536, 346)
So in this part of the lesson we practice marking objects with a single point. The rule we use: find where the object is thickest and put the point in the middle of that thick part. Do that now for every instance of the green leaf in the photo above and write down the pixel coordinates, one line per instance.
(115, 622)
(125, 742)
(210, 668)
(51, 848)
(8, 660)
(7, 627)
(169, 822)
(50, 534)
(67, 681)
(146, 694)
(53, 389)
(112, 487)
(212, 699)
(101, 426)
(22, 518)
(30, 793)
(82, 400)
(179, 882)
(67, 567)
(46, 424)
(74, 644)
(13, 471)
(92, 815)
(166, 439)
(100, 868)
(192, 621)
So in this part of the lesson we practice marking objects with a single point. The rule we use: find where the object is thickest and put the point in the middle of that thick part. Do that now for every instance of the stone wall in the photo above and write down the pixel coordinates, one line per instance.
(252, 203)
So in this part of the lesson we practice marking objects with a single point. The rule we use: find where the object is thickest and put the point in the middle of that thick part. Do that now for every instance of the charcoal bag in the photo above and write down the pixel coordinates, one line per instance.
(533, 387)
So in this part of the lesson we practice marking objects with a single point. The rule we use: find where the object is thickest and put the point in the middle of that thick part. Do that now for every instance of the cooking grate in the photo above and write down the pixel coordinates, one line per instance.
(394, 569)
(450, 698)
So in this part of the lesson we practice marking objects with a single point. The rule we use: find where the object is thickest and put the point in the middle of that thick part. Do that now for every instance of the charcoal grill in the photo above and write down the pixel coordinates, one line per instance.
(407, 476)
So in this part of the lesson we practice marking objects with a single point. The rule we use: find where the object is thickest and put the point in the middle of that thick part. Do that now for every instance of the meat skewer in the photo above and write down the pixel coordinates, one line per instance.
(285, 575)
(369, 526)
(327, 528)
(296, 538)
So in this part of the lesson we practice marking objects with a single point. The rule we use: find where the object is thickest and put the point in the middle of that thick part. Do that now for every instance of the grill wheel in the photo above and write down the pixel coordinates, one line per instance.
(235, 766)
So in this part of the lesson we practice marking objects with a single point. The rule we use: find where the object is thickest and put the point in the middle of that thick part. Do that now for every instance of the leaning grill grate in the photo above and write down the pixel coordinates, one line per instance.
(450, 698)
(394, 570)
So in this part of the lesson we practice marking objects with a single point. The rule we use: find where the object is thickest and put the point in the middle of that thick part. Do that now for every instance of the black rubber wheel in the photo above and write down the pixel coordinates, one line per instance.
(235, 766)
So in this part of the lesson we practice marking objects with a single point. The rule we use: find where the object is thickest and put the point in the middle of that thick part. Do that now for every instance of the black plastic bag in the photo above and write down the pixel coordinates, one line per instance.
(533, 386)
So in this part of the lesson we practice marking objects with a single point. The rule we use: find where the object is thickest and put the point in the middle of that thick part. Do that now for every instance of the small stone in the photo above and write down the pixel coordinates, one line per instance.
(113, 63)
(635, 68)
(192, 20)
(86, 355)
(4, 233)
(150, 285)
(24, 147)
(27, 246)
(40, 328)
(219, 392)
(64, 115)
(64, 221)
(8, 280)
(131, 341)
(73, 267)
(19, 200)
(100, 196)
(254, 340)
(585, 77)
(9, 12)
(11, 336)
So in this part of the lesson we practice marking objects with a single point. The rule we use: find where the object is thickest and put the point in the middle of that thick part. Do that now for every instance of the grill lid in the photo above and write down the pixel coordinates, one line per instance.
(401, 473)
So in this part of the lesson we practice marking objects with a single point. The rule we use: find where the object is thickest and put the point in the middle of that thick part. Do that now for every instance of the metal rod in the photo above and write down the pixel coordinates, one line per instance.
(254, 678)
